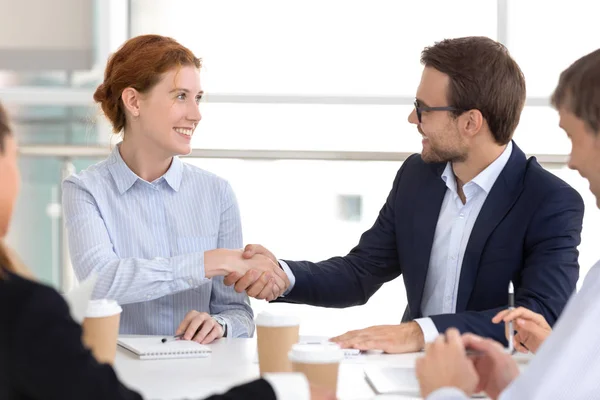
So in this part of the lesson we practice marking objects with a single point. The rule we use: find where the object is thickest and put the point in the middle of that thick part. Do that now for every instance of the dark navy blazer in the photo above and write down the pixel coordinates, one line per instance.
(527, 231)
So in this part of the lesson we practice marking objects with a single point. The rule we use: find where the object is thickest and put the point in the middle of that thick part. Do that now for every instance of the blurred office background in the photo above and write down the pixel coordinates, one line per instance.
(305, 113)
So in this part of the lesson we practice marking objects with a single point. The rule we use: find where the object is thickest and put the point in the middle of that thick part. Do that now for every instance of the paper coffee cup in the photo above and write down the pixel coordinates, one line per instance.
(101, 329)
(319, 362)
(276, 334)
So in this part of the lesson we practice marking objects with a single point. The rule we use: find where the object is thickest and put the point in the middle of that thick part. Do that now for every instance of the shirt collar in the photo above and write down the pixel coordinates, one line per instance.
(174, 174)
(448, 177)
(486, 178)
(125, 178)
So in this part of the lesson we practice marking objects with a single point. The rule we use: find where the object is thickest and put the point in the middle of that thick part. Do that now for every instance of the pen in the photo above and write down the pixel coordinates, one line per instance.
(511, 306)
(169, 339)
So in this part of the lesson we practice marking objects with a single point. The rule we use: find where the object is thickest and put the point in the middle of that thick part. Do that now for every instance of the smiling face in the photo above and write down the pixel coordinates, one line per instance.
(442, 139)
(167, 115)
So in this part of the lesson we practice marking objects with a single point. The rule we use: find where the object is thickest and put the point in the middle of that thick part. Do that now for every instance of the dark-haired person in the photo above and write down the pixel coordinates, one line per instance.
(567, 361)
(41, 354)
(160, 233)
(464, 218)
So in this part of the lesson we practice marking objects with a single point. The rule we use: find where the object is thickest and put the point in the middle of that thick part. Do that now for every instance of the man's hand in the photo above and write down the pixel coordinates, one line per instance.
(446, 365)
(265, 280)
(532, 329)
(319, 393)
(403, 338)
(199, 327)
(252, 249)
(496, 368)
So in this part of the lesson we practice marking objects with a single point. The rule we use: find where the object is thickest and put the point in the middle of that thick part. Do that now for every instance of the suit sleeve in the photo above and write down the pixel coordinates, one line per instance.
(51, 362)
(550, 272)
(259, 389)
(351, 280)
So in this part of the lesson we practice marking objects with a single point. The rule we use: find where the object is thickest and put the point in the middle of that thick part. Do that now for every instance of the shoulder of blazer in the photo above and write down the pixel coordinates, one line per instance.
(540, 180)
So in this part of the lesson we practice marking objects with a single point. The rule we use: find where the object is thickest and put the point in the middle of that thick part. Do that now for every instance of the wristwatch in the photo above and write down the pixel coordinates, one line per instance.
(223, 325)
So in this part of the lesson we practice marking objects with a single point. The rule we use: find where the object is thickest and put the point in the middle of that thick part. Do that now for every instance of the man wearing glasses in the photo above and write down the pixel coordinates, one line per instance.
(567, 361)
(466, 217)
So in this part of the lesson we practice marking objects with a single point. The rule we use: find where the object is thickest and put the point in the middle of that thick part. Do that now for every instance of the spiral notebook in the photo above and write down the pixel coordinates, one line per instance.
(151, 348)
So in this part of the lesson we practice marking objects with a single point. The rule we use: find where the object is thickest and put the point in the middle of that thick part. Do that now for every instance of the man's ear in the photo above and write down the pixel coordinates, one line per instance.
(472, 122)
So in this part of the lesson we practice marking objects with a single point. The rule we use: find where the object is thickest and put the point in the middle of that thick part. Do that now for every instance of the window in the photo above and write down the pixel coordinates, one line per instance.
(345, 47)
(546, 37)
(324, 76)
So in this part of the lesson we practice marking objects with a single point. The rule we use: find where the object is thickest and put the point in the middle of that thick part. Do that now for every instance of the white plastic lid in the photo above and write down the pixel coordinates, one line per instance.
(267, 318)
(102, 308)
(316, 353)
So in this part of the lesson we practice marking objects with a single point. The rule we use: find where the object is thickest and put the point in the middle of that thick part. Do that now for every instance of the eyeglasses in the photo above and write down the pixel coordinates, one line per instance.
(419, 108)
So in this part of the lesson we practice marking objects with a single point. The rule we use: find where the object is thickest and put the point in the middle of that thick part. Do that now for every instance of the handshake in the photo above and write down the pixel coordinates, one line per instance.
(255, 270)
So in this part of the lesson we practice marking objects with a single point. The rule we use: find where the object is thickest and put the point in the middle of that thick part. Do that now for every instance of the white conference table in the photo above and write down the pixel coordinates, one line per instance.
(232, 362)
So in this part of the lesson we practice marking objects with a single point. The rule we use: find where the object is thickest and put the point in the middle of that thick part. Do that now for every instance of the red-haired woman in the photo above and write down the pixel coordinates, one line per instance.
(159, 233)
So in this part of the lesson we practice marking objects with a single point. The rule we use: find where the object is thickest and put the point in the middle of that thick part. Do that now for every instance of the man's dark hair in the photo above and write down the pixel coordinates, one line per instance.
(578, 90)
(483, 76)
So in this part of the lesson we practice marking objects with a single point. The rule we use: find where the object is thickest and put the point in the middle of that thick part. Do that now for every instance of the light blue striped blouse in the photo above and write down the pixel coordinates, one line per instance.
(146, 242)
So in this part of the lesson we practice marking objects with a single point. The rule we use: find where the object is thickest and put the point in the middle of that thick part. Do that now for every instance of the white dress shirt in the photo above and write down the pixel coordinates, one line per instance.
(452, 233)
(453, 229)
(567, 365)
(146, 241)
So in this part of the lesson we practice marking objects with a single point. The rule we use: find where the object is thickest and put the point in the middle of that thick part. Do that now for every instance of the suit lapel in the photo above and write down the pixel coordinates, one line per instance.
(502, 197)
(426, 212)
